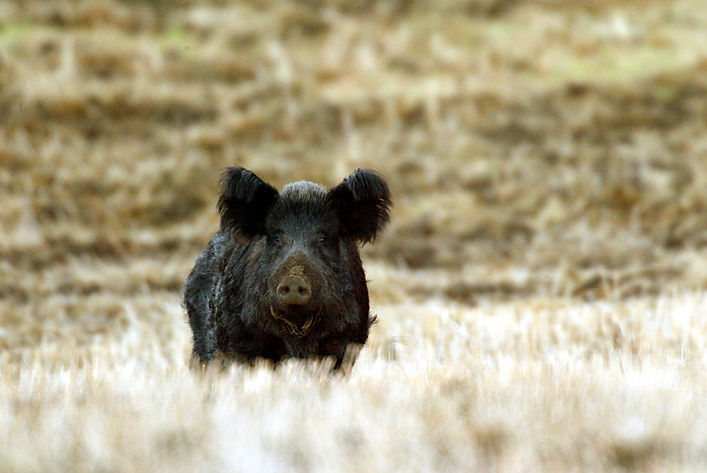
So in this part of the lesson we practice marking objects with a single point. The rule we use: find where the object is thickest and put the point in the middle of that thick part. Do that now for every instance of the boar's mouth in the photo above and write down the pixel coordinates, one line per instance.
(294, 329)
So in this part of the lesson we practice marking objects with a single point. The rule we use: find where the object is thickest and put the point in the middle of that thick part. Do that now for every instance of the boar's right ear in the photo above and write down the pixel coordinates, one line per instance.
(244, 202)
(362, 203)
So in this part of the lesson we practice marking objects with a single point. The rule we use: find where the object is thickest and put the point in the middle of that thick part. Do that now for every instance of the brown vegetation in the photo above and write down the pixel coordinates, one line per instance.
(540, 291)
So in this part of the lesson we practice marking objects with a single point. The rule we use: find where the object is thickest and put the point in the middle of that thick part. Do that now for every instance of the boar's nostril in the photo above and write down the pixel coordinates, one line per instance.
(294, 290)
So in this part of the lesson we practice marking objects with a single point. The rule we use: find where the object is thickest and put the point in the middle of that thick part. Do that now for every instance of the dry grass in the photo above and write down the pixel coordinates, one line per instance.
(541, 290)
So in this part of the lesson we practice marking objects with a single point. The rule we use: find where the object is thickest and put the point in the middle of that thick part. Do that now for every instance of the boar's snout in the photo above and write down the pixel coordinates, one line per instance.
(295, 282)
(294, 291)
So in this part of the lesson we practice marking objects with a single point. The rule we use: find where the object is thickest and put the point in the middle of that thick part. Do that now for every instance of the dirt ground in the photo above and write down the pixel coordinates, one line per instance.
(541, 290)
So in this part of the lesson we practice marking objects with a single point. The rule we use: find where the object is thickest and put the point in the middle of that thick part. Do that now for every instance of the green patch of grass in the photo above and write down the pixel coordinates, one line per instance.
(615, 65)
(11, 32)
(176, 38)
(184, 47)
(175, 35)
(665, 93)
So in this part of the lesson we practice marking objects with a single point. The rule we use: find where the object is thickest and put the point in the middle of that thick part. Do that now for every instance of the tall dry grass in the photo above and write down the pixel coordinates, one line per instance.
(540, 290)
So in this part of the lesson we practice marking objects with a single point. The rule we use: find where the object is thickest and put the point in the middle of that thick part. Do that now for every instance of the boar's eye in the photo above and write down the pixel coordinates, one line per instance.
(276, 238)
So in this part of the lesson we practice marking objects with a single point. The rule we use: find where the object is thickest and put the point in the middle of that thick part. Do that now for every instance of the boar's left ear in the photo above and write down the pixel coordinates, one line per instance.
(244, 202)
(362, 203)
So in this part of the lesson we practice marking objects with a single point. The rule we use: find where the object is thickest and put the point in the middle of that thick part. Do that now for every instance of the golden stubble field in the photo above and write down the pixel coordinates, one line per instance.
(541, 290)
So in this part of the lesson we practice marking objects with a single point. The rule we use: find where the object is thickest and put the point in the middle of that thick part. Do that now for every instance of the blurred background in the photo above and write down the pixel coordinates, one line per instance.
(533, 148)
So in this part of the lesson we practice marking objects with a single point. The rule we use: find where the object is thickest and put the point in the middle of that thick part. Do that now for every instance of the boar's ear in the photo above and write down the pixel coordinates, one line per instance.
(362, 203)
(244, 202)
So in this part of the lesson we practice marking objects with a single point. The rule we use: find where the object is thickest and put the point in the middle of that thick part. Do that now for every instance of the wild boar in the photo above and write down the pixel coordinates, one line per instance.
(283, 277)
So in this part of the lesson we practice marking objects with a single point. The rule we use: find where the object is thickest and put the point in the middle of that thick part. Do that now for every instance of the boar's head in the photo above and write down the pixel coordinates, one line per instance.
(302, 256)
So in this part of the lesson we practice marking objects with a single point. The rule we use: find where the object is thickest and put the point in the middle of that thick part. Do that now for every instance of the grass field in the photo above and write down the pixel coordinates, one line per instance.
(541, 290)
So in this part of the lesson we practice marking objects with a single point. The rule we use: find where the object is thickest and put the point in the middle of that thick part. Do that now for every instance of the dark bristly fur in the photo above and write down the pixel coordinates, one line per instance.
(266, 237)
(244, 201)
